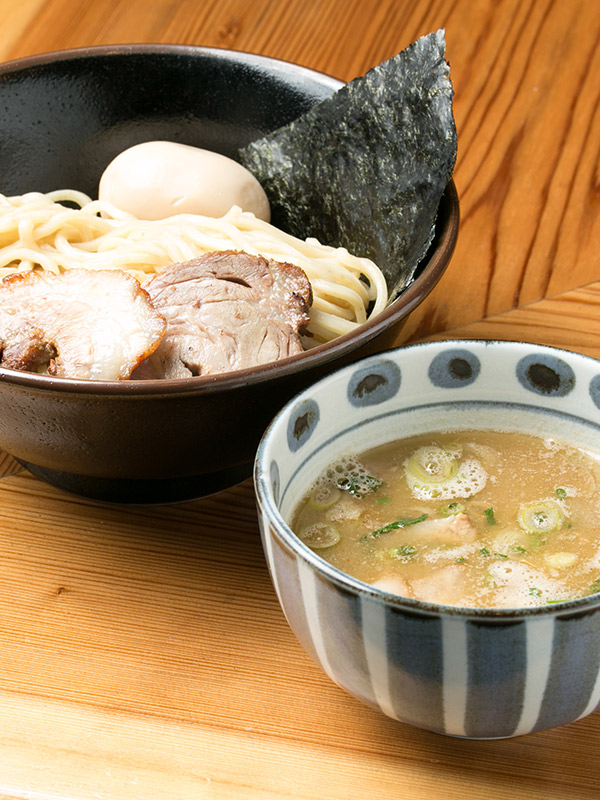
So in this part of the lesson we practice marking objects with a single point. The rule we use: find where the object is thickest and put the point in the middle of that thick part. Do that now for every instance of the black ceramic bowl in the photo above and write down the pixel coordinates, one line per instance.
(64, 116)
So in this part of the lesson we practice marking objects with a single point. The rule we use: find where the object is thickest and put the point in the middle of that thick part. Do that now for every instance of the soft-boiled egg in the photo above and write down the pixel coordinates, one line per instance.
(154, 180)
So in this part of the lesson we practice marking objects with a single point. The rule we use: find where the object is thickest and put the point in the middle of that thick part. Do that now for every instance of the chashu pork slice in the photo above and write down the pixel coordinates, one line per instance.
(84, 324)
(226, 311)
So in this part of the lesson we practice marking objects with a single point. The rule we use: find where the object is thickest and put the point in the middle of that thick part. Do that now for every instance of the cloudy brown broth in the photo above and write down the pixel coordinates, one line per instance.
(473, 518)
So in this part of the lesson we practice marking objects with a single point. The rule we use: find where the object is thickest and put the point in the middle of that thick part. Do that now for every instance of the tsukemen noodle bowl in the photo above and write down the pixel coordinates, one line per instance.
(429, 516)
(66, 116)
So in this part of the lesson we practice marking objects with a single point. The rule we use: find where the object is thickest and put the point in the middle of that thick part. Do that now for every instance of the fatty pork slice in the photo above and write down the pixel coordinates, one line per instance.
(84, 324)
(226, 311)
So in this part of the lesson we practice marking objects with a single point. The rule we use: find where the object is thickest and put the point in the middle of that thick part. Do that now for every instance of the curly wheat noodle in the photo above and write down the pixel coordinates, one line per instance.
(38, 232)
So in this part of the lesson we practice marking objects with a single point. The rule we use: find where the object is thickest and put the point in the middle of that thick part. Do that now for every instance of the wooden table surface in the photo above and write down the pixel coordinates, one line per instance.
(142, 650)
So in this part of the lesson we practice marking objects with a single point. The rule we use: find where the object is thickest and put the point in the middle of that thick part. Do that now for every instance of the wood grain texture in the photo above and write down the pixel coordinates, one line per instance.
(143, 654)
(569, 320)
(145, 646)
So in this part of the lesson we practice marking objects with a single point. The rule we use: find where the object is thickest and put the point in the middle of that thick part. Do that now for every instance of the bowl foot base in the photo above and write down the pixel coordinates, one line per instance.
(142, 491)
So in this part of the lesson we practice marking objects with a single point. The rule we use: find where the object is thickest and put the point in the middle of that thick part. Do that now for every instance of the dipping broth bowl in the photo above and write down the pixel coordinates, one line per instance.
(464, 672)
(66, 115)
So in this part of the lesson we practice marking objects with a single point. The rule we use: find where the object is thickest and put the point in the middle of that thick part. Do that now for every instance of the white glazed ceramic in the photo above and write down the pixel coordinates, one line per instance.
(472, 673)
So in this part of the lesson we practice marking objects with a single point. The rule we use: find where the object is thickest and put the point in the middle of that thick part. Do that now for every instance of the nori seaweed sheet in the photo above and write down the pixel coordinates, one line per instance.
(365, 169)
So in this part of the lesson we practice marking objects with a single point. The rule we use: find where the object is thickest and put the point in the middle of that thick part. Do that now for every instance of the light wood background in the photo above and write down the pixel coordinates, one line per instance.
(142, 650)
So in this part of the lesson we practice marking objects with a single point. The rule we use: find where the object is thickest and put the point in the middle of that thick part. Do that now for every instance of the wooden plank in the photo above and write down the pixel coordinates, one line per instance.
(570, 320)
(143, 653)
(144, 648)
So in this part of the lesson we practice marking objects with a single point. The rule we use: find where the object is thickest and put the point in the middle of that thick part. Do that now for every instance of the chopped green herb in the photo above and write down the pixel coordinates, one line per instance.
(360, 485)
(382, 500)
(560, 492)
(392, 526)
(501, 555)
(535, 592)
(404, 551)
(324, 496)
(595, 586)
(518, 549)
(461, 560)
(484, 551)
(489, 514)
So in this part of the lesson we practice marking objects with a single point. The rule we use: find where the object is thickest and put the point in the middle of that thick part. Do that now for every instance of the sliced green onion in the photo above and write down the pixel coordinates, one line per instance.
(560, 560)
(320, 535)
(431, 465)
(543, 517)
(537, 541)
(324, 496)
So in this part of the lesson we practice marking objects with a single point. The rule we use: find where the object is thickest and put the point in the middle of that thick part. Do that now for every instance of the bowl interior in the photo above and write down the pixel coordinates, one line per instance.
(66, 115)
(442, 386)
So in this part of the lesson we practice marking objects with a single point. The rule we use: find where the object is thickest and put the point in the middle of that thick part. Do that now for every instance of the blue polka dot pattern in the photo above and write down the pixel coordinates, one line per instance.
(374, 384)
(302, 423)
(275, 482)
(487, 660)
(454, 368)
(595, 390)
(545, 375)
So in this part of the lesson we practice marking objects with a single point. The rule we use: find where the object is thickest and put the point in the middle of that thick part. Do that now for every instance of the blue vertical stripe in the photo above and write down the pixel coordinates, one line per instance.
(497, 658)
(574, 668)
(284, 566)
(415, 653)
(341, 623)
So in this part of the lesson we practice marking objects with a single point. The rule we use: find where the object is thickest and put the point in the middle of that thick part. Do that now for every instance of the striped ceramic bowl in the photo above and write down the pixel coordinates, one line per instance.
(475, 673)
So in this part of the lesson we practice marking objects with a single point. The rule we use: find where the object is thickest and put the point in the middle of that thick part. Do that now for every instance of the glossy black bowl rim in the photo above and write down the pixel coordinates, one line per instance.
(74, 53)
(396, 311)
